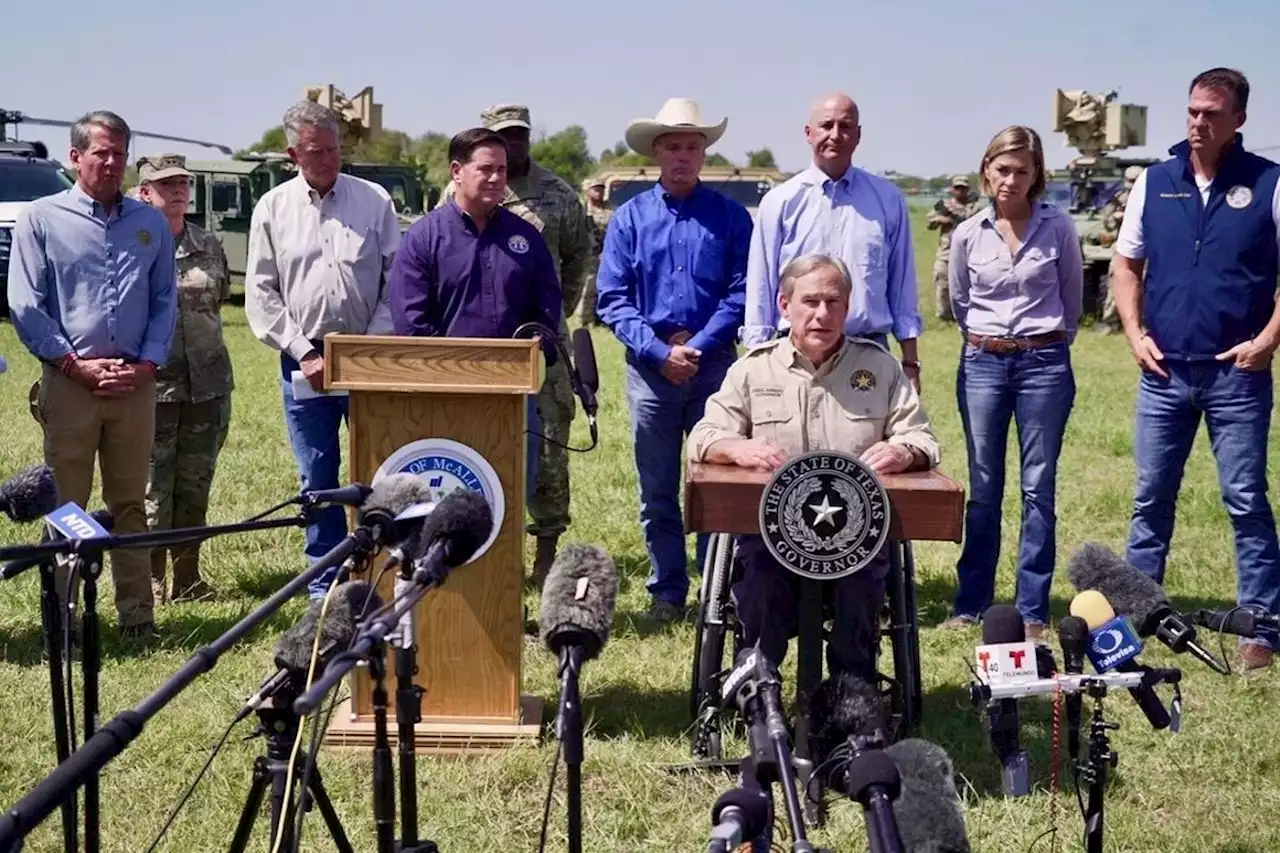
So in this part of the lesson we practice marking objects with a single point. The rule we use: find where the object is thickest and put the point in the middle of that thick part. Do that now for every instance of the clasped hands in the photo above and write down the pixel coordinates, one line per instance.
(881, 457)
(109, 377)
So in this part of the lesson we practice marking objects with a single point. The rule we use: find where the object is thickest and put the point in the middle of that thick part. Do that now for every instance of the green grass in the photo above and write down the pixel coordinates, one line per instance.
(1215, 787)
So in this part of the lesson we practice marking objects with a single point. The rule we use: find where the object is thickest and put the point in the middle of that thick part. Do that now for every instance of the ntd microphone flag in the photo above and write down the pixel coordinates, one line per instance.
(71, 522)
(1001, 663)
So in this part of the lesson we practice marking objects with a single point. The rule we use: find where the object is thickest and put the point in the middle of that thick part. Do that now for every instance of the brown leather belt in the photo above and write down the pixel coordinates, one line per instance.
(1004, 346)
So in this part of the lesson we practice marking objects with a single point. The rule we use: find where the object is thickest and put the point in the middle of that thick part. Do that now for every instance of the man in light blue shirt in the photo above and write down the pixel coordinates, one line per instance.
(834, 208)
(93, 295)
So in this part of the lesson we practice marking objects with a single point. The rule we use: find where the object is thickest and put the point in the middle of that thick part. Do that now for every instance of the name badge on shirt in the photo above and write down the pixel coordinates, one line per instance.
(767, 391)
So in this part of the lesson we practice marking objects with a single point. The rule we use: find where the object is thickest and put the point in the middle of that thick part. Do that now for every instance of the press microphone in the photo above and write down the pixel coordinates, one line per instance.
(844, 708)
(63, 560)
(390, 498)
(1073, 636)
(1240, 621)
(1002, 627)
(587, 373)
(1133, 594)
(351, 602)
(930, 817)
(351, 495)
(29, 495)
(450, 536)
(741, 814)
(577, 601)
(1112, 645)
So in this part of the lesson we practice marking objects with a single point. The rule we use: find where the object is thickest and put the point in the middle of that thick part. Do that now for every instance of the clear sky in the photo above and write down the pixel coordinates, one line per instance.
(934, 80)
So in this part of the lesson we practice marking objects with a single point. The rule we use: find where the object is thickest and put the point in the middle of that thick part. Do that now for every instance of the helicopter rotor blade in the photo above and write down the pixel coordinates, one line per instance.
(225, 149)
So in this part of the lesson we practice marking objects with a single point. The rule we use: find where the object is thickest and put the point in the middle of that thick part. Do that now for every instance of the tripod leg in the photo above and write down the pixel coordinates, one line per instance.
(252, 803)
(322, 801)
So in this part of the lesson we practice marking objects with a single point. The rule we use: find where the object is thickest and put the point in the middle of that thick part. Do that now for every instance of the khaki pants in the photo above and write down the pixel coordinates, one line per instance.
(79, 427)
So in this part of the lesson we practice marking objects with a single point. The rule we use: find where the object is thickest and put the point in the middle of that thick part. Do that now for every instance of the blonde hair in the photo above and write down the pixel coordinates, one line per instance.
(805, 264)
(1014, 138)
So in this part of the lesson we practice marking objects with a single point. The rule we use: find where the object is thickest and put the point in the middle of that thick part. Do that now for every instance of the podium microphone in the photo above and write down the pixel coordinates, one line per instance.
(1133, 594)
(576, 617)
(29, 495)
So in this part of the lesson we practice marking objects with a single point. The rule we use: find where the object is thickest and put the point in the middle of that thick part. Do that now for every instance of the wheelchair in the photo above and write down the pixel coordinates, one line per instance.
(718, 639)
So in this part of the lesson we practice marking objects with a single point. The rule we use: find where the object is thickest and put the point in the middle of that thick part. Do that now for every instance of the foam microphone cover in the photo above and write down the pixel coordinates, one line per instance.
(930, 817)
(29, 495)
(1002, 623)
(843, 706)
(461, 522)
(1092, 607)
(350, 603)
(1073, 637)
(1131, 593)
(578, 598)
(391, 496)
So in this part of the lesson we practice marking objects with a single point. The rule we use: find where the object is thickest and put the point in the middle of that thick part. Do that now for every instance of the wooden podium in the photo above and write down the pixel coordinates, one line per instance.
(470, 631)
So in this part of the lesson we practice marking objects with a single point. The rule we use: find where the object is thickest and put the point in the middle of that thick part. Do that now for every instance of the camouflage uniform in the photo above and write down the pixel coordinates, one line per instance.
(193, 409)
(549, 204)
(1112, 216)
(945, 216)
(598, 216)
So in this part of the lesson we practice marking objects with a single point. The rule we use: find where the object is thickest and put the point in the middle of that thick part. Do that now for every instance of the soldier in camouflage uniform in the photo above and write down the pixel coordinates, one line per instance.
(549, 204)
(945, 216)
(599, 212)
(1112, 216)
(193, 389)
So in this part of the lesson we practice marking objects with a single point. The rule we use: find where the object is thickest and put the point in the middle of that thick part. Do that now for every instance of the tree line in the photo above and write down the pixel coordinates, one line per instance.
(565, 152)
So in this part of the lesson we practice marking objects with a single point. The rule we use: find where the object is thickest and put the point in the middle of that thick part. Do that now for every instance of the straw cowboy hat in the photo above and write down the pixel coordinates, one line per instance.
(678, 115)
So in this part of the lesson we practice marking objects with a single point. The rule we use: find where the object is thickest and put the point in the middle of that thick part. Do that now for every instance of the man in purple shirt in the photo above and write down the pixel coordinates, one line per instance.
(473, 269)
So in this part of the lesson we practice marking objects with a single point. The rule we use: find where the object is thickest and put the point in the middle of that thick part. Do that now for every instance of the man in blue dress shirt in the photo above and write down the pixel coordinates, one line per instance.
(92, 292)
(834, 208)
(671, 288)
(473, 269)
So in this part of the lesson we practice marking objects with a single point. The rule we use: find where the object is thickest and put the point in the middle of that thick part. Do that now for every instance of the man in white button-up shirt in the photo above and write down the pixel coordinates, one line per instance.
(320, 248)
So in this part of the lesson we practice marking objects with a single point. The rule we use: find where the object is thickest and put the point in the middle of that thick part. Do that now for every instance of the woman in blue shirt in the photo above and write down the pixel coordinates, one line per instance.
(1016, 279)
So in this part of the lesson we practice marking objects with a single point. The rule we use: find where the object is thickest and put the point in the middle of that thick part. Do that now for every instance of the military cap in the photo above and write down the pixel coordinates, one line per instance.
(592, 182)
(960, 181)
(501, 116)
(157, 167)
(1132, 173)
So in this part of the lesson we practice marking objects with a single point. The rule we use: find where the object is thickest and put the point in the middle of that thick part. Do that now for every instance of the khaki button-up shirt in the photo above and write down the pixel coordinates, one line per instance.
(858, 397)
(199, 366)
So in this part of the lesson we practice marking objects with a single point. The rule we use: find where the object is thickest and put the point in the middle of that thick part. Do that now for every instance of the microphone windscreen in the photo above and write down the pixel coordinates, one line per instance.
(1073, 633)
(30, 494)
(350, 603)
(391, 496)
(930, 817)
(578, 598)
(1093, 607)
(1002, 623)
(753, 804)
(584, 359)
(1131, 593)
(462, 521)
(843, 706)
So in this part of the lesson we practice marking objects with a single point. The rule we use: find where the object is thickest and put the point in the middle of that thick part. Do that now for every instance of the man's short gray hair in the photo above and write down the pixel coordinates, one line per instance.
(81, 131)
(805, 264)
(307, 114)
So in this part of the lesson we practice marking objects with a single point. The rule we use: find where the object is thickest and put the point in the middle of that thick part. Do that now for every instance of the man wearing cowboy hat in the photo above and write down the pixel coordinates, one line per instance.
(834, 208)
(671, 288)
(947, 213)
(541, 198)
(92, 290)
(599, 212)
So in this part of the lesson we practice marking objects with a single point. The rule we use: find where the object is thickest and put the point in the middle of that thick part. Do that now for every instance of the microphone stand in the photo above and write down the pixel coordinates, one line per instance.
(1095, 769)
(384, 796)
(109, 741)
(89, 566)
(875, 795)
(408, 713)
(768, 705)
(51, 617)
(569, 731)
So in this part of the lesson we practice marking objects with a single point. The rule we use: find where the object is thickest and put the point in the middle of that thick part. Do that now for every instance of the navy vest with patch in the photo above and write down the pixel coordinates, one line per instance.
(1211, 269)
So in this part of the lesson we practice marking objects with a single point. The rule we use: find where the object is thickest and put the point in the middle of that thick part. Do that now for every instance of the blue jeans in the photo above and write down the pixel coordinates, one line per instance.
(313, 436)
(662, 415)
(1036, 388)
(1236, 405)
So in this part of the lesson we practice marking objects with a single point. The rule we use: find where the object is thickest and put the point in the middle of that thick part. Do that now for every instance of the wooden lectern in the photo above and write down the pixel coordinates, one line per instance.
(470, 631)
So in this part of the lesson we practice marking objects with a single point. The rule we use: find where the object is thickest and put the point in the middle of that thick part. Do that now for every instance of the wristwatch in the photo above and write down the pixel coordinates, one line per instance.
(915, 365)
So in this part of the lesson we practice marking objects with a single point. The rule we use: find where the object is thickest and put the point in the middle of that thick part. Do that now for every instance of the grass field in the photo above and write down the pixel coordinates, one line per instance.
(1213, 788)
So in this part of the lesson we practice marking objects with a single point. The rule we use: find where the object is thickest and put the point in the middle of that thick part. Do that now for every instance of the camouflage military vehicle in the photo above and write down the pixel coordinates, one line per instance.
(1095, 127)
(744, 184)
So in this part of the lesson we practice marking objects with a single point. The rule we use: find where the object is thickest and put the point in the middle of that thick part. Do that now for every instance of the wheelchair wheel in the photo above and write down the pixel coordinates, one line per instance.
(713, 623)
(902, 629)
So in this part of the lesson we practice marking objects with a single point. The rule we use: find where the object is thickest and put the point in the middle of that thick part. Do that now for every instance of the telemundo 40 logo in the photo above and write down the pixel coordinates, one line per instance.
(1113, 644)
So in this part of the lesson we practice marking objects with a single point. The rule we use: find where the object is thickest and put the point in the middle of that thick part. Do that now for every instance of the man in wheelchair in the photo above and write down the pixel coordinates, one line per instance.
(816, 389)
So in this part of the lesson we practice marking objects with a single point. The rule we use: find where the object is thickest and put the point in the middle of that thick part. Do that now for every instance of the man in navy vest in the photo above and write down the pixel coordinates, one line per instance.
(1203, 325)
